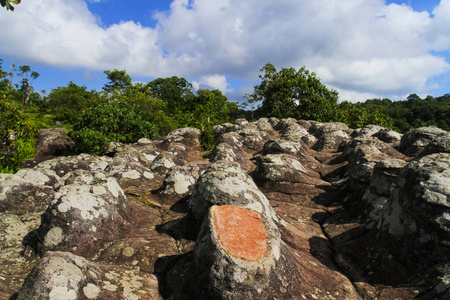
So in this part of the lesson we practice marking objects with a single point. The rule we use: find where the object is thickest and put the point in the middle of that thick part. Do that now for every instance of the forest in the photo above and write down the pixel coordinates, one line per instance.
(125, 111)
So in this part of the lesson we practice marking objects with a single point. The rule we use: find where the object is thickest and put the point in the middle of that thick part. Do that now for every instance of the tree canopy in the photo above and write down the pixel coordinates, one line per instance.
(291, 93)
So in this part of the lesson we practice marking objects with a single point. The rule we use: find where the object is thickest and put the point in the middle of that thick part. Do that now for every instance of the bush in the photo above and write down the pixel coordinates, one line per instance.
(111, 122)
(17, 137)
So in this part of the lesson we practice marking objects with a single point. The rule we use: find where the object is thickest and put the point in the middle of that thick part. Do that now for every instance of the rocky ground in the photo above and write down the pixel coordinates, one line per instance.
(280, 209)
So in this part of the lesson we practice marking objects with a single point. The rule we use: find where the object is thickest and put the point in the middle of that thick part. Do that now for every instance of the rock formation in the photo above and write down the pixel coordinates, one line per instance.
(280, 209)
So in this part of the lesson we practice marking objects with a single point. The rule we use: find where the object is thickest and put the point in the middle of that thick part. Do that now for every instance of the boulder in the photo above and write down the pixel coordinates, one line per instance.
(416, 140)
(19, 196)
(239, 255)
(53, 142)
(82, 215)
(62, 275)
(225, 183)
(283, 168)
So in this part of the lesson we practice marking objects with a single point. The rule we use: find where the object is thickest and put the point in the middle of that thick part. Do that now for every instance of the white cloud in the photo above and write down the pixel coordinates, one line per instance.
(359, 47)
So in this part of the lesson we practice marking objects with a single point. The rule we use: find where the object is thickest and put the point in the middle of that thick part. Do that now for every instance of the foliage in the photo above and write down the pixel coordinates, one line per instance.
(68, 102)
(117, 121)
(413, 112)
(7, 4)
(290, 93)
(119, 81)
(17, 136)
(356, 116)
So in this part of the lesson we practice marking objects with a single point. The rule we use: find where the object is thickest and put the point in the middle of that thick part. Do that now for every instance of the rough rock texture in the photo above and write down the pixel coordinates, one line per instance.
(280, 209)
(52, 142)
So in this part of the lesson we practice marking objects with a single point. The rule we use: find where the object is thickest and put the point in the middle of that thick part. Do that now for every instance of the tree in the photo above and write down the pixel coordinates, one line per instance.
(291, 93)
(119, 81)
(174, 90)
(70, 101)
(7, 4)
(25, 85)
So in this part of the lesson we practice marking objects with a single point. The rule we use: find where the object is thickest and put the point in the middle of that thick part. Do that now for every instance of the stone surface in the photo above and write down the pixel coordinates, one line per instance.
(53, 142)
(281, 209)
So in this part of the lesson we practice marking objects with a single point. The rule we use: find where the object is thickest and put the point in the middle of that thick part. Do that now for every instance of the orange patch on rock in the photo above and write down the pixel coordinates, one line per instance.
(241, 232)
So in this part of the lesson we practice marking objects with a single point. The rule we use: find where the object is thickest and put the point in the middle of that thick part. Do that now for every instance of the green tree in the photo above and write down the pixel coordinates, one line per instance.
(175, 91)
(291, 93)
(26, 84)
(7, 4)
(68, 102)
(119, 81)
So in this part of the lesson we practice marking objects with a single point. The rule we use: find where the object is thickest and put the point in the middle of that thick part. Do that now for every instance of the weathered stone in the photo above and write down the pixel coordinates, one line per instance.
(19, 196)
(225, 183)
(53, 142)
(331, 141)
(283, 168)
(416, 140)
(81, 215)
(62, 275)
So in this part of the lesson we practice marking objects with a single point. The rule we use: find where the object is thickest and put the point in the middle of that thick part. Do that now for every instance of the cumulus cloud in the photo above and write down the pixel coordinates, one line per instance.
(359, 47)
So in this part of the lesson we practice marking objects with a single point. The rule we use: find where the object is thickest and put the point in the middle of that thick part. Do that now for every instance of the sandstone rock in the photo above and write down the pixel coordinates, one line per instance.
(225, 183)
(180, 181)
(318, 129)
(224, 128)
(331, 141)
(223, 151)
(187, 136)
(415, 141)
(62, 275)
(438, 144)
(19, 196)
(283, 168)
(15, 262)
(52, 142)
(239, 255)
(81, 215)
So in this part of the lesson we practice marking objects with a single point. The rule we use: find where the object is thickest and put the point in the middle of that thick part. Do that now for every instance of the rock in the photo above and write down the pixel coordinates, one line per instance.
(239, 255)
(187, 136)
(16, 263)
(318, 129)
(331, 141)
(226, 183)
(438, 144)
(415, 141)
(223, 151)
(180, 181)
(62, 275)
(19, 196)
(53, 142)
(283, 168)
(82, 215)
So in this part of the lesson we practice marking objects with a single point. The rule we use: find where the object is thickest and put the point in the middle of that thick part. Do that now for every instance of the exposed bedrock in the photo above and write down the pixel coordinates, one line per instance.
(280, 209)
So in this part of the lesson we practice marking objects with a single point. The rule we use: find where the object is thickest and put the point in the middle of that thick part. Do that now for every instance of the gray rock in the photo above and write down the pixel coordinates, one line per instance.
(20, 196)
(82, 214)
(62, 275)
(52, 142)
(225, 183)
(416, 140)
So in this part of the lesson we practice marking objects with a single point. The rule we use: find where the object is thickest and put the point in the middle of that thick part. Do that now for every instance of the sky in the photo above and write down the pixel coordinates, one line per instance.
(362, 48)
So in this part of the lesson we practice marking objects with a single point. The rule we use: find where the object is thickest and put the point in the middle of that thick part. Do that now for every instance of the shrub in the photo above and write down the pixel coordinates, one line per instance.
(17, 137)
(110, 122)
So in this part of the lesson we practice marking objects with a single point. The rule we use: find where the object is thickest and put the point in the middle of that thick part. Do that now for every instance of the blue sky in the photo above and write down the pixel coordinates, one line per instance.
(362, 48)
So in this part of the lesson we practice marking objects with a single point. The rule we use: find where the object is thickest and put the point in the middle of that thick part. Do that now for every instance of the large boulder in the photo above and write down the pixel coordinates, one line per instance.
(82, 214)
(239, 255)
